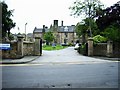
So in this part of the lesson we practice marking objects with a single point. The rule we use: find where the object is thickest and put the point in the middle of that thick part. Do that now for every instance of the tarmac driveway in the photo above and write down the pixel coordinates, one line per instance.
(66, 56)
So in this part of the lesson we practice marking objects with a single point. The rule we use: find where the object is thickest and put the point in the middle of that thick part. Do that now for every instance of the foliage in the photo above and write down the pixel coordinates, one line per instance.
(82, 49)
(109, 22)
(94, 27)
(81, 31)
(112, 33)
(11, 37)
(89, 9)
(49, 37)
(49, 47)
(86, 7)
(99, 39)
(7, 22)
(82, 28)
(109, 16)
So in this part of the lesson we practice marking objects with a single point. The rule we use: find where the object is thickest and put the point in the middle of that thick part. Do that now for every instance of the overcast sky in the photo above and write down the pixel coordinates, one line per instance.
(37, 13)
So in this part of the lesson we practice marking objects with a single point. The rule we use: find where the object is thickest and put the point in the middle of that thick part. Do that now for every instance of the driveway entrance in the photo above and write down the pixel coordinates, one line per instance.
(66, 56)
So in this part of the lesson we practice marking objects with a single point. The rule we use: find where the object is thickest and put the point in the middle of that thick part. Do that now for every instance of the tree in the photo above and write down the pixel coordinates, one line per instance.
(109, 16)
(109, 22)
(82, 28)
(48, 36)
(88, 8)
(81, 31)
(112, 32)
(7, 22)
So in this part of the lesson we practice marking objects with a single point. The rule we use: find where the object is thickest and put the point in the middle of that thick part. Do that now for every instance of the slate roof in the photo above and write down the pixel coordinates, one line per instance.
(29, 35)
(61, 29)
(39, 30)
(66, 28)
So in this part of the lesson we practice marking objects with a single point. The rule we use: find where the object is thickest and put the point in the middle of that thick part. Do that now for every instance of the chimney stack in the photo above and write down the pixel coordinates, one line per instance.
(61, 23)
(55, 23)
(43, 28)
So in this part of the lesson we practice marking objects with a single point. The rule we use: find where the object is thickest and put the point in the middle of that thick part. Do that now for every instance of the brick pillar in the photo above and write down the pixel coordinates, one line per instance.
(37, 46)
(109, 48)
(90, 47)
(20, 46)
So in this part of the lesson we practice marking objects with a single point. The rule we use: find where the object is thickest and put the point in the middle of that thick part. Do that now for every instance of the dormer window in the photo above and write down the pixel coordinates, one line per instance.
(66, 28)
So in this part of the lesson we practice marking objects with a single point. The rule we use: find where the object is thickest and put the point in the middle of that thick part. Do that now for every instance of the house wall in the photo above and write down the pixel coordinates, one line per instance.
(70, 37)
(38, 35)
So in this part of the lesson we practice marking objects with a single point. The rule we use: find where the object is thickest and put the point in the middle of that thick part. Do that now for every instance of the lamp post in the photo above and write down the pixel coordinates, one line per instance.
(25, 32)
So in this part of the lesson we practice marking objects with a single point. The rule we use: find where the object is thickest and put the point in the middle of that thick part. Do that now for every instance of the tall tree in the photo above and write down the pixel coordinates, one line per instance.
(7, 22)
(109, 16)
(109, 22)
(82, 28)
(88, 8)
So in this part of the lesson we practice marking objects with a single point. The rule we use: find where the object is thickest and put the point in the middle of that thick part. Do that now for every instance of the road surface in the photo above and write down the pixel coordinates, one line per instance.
(62, 69)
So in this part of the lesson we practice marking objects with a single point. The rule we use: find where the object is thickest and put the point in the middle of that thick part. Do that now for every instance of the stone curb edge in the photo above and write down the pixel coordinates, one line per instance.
(23, 62)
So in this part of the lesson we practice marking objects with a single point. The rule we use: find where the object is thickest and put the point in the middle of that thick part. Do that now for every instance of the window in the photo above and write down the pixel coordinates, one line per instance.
(66, 34)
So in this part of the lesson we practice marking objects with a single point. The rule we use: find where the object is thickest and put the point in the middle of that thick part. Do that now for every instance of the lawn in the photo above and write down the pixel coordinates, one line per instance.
(50, 47)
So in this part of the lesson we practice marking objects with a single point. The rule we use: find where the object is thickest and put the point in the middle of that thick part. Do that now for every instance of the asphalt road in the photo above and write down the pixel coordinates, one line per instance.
(62, 69)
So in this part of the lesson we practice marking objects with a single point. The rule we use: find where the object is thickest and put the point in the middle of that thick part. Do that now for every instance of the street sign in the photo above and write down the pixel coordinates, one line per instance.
(4, 46)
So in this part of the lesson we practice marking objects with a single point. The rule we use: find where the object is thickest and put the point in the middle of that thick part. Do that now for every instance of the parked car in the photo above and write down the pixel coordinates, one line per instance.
(76, 46)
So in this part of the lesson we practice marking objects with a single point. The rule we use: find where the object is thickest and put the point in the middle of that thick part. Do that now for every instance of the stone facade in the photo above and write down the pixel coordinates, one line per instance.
(65, 38)
(63, 34)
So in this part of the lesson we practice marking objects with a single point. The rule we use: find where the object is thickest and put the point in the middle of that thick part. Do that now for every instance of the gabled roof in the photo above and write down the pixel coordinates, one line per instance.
(66, 28)
(29, 35)
(40, 30)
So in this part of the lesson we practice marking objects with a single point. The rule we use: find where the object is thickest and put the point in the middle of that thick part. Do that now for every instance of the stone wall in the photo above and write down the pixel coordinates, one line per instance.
(100, 49)
(22, 48)
(108, 49)
(28, 48)
(116, 49)
(12, 53)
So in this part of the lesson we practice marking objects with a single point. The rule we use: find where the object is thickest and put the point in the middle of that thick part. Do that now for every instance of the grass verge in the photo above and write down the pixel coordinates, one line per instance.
(49, 47)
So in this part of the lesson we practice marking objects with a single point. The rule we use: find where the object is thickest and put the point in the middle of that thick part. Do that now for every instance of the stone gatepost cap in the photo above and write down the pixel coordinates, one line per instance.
(37, 37)
(20, 36)
(109, 41)
(90, 38)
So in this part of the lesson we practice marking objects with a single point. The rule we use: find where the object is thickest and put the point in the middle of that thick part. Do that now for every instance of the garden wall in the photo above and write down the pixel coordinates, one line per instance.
(22, 48)
(28, 48)
(11, 53)
(100, 49)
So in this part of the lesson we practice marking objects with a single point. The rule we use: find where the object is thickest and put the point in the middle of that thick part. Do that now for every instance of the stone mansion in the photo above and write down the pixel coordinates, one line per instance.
(63, 34)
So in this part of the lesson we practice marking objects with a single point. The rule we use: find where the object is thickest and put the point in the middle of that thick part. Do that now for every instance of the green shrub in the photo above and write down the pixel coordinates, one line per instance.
(82, 49)
(99, 39)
